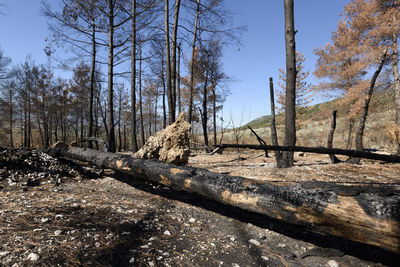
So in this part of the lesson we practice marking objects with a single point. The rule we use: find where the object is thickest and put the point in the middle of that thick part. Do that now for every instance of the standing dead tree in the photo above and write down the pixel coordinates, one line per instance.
(333, 158)
(290, 99)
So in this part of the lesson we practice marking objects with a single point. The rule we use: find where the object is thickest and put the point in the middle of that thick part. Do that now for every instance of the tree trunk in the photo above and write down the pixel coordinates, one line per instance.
(361, 126)
(190, 111)
(92, 81)
(205, 113)
(290, 99)
(10, 118)
(133, 80)
(274, 136)
(214, 115)
(396, 84)
(110, 100)
(365, 214)
(156, 111)
(164, 92)
(140, 97)
(350, 133)
(119, 121)
(124, 137)
(173, 55)
(171, 115)
(179, 80)
(333, 158)
(29, 133)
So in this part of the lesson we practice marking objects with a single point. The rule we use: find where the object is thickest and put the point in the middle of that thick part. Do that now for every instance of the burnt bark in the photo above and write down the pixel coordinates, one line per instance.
(190, 111)
(329, 143)
(171, 115)
(290, 99)
(133, 80)
(110, 88)
(364, 214)
(174, 38)
(274, 136)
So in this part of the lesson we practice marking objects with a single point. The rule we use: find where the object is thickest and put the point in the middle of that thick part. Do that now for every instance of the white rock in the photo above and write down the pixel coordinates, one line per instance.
(265, 258)
(144, 246)
(37, 229)
(167, 232)
(132, 260)
(254, 242)
(44, 220)
(235, 265)
(58, 232)
(59, 216)
(151, 264)
(333, 263)
(192, 220)
(97, 244)
(159, 258)
(33, 257)
(4, 253)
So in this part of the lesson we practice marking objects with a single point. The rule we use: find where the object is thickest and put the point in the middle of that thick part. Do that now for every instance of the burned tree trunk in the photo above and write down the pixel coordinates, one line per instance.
(333, 158)
(274, 136)
(259, 139)
(361, 126)
(363, 214)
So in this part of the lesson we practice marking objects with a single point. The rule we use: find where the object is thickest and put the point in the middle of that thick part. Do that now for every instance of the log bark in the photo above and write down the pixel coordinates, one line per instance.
(364, 214)
(319, 150)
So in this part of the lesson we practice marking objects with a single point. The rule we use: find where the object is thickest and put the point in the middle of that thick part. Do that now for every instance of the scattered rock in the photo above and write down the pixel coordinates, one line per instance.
(33, 257)
(4, 253)
(57, 232)
(332, 263)
(254, 242)
(167, 232)
(170, 145)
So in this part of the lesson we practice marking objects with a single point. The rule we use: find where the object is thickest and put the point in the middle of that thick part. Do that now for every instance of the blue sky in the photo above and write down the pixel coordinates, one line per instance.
(23, 31)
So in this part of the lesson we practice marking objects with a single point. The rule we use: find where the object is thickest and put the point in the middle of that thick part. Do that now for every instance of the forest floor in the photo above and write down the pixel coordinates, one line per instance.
(56, 213)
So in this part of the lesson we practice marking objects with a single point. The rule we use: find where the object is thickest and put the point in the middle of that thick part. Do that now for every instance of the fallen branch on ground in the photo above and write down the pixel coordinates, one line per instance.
(319, 150)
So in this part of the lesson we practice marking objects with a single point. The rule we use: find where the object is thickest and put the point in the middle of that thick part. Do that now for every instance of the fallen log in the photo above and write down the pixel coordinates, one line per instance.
(365, 214)
(318, 150)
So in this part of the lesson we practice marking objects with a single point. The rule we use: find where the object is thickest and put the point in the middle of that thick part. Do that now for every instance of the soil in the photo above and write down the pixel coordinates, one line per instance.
(54, 212)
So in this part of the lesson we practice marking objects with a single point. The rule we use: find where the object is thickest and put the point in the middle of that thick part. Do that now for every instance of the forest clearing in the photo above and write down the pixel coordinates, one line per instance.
(121, 144)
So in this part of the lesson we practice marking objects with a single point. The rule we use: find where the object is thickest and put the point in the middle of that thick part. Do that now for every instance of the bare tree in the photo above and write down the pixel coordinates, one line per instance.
(290, 100)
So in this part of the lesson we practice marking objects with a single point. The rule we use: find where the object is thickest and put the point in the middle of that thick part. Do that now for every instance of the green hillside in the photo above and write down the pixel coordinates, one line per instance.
(381, 101)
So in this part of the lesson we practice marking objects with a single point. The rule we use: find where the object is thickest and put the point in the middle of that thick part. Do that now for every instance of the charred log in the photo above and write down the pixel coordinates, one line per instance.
(365, 214)
(319, 150)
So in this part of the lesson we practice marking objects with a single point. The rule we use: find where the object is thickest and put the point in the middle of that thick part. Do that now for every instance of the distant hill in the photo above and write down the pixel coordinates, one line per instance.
(380, 102)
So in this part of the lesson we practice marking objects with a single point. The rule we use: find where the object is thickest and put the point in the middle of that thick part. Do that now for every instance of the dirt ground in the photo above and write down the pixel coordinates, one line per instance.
(56, 213)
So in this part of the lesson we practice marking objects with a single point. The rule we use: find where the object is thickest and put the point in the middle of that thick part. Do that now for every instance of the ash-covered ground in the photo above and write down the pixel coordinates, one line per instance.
(54, 212)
